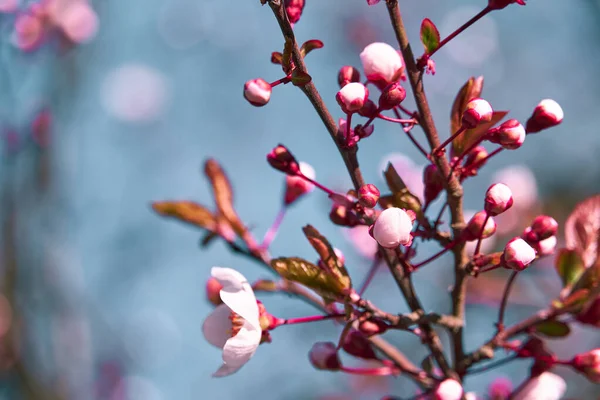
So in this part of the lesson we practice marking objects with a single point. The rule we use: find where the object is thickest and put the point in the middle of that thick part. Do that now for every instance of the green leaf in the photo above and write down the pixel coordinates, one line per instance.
(327, 255)
(186, 211)
(470, 90)
(300, 78)
(309, 46)
(569, 266)
(223, 195)
(430, 36)
(552, 329)
(401, 196)
(299, 270)
(471, 136)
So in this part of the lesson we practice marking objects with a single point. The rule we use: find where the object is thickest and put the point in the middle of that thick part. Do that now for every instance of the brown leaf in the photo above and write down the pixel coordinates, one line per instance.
(326, 253)
(582, 230)
(276, 57)
(223, 195)
(401, 196)
(186, 211)
(309, 46)
(470, 90)
(286, 59)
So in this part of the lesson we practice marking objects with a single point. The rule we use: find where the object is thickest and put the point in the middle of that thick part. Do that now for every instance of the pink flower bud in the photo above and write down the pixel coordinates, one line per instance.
(348, 75)
(391, 96)
(518, 254)
(543, 227)
(510, 135)
(213, 289)
(392, 228)
(475, 159)
(282, 160)
(475, 224)
(545, 247)
(368, 195)
(296, 186)
(546, 115)
(498, 199)
(257, 92)
(433, 181)
(500, 389)
(500, 4)
(450, 389)
(478, 111)
(356, 344)
(382, 64)
(323, 355)
(352, 97)
(369, 110)
(294, 8)
(591, 314)
(372, 327)
(589, 364)
(363, 132)
(29, 31)
(372, 2)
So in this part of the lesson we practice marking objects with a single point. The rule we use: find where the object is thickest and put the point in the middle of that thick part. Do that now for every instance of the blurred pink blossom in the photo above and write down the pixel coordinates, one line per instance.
(362, 242)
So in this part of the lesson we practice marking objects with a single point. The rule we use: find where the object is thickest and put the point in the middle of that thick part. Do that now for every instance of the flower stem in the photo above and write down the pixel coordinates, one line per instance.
(492, 365)
(304, 320)
(381, 371)
(317, 184)
(412, 139)
(449, 246)
(461, 29)
(484, 160)
(370, 275)
(272, 232)
(284, 80)
(439, 148)
(480, 238)
(410, 121)
(509, 284)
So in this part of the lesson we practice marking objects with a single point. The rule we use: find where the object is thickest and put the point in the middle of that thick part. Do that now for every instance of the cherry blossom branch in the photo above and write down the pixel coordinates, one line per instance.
(349, 156)
(453, 187)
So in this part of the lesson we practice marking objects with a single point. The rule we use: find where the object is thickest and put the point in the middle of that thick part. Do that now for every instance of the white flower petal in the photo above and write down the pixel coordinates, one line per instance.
(547, 386)
(217, 326)
(239, 349)
(237, 294)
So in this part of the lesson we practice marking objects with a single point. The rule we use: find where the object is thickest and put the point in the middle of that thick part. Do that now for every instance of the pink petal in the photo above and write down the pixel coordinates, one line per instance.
(217, 326)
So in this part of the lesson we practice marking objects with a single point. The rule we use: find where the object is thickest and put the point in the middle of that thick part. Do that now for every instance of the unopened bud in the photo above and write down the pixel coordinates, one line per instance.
(368, 195)
(348, 75)
(372, 327)
(498, 199)
(589, 364)
(542, 228)
(392, 96)
(477, 111)
(475, 226)
(500, 389)
(392, 228)
(510, 135)
(545, 247)
(450, 389)
(591, 314)
(282, 160)
(369, 110)
(362, 132)
(294, 8)
(352, 97)
(382, 64)
(475, 159)
(296, 186)
(257, 92)
(433, 181)
(213, 290)
(500, 4)
(518, 254)
(342, 216)
(546, 115)
(324, 356)
(356, 344)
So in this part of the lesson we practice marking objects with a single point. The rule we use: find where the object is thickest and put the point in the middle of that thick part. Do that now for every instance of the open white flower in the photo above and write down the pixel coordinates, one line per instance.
(546, 386)
(234, 325)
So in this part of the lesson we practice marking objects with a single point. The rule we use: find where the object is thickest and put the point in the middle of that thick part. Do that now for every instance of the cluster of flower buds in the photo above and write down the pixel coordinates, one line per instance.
(294, 9)
(477, 112)
(393, 228)
(510, 135)
(541, 235)
(257, 92)
(547, 114)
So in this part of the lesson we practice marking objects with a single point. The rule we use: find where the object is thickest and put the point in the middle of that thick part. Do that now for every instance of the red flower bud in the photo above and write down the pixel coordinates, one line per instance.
(591, 314)
(257, 92)
(542, 228)
(294, 8)
(323, 355)
(392, 96)
(433, 181)
(518, 254)
(500, 4)
(510, 135)
(296, 186)
(368, 195)
(546, 115)
(352, 97)
(475, 225)
(372, 327)
(356, 344)
(369, 110)
(348, 75)
(281, 159)
(589, 364)
(478, 111)
(475, 160)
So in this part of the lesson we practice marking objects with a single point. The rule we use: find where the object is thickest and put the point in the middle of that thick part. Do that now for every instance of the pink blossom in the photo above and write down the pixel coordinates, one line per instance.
(510, 134)
(589, 364)
(518, 254)
(478, 111)
(546, 386)
(352, 97)
(449, 389)
(392, 228)
(257, 92)
(382, 63)
(547, 114)
(498, 199)
(296, 186)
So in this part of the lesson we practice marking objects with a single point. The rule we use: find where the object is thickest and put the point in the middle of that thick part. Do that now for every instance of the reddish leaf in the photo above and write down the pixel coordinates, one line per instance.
(286, 59)
(276, 57)
(470, 90)
(186, 211)
(309, 46)
(430, 36)
(300, 78)
(582, 229)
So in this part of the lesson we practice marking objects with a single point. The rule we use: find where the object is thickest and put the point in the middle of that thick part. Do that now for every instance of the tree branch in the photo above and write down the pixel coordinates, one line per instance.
(453, 188)
(349, 156)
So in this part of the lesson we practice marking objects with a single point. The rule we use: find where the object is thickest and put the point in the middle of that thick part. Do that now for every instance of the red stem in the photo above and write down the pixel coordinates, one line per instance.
(283, 80)
(449, 140)
(312, 318)
(412, 139)
(370, 275)
(272, 232)
(484, 160)
(411, 121)
(467, 24)
(509, 284)
(317, 184)
(449, 246)
(480, 238)
(382, 371)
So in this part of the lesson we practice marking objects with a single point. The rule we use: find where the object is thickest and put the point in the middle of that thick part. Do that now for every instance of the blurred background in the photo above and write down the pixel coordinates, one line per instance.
(121, 105)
